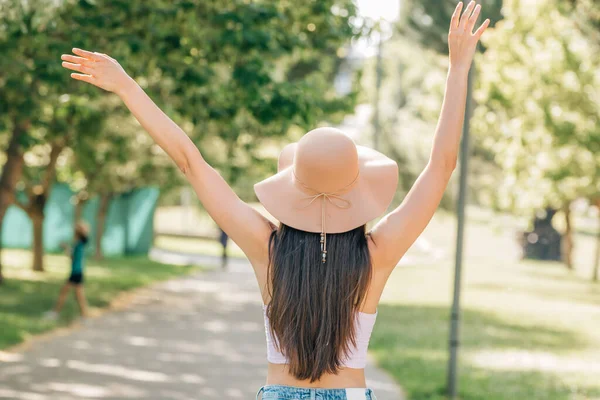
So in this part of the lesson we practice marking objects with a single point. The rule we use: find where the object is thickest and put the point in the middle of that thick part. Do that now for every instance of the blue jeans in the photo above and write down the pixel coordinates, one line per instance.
(278, 392)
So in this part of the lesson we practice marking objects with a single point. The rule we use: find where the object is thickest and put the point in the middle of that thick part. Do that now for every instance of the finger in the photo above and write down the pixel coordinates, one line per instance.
(76, 67)
(74, 59)
(87, 54)
(106, 56)
(456, 15)
(473, 18)
(83, 77)
(465, 17)
(482, 28)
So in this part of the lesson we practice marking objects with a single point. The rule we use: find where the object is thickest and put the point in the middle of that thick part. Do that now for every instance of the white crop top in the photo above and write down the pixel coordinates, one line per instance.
(358, 355)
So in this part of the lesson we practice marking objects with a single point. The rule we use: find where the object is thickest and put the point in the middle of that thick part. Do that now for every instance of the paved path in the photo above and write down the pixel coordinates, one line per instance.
(192, 338)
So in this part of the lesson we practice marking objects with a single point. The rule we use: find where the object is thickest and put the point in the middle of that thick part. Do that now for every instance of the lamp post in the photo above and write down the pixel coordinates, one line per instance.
(454, 342)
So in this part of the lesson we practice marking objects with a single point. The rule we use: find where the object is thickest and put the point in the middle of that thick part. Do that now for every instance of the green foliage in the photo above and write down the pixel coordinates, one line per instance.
(426, 25)
(414, 79)
(245, 74)
(237, 75)
(410, 101)
(586, 15)
(538, 116)
(428, 21)
(122, 158)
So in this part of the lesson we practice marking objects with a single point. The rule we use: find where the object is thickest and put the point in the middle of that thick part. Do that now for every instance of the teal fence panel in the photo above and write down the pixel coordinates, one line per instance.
(140, 224)
(128, 228)
(114, 241)
(58, 220)
(17, 229)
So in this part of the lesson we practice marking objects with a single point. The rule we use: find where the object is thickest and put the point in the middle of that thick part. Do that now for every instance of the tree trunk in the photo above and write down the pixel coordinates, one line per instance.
(568, 238)
(596, 266)
(101, 221)
(37, 203)
(79, 211)
(37, 219)
(11, 172)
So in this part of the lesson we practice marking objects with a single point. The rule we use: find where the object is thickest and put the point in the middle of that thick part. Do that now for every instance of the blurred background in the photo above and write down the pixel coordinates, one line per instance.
(243, 78)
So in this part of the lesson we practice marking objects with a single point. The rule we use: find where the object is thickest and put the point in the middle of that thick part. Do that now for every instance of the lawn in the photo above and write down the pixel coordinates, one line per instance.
(530, 330)
(26, 295)
(194, 245)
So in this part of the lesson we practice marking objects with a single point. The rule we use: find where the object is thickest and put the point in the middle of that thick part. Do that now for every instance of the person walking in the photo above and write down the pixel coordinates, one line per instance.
(75, 280)
(320, 272)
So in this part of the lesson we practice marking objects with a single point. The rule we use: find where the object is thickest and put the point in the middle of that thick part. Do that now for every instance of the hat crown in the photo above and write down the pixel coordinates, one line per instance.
(326, 160)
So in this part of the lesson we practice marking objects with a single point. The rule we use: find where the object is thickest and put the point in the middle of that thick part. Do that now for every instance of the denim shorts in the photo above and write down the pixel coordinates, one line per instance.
(278, 392)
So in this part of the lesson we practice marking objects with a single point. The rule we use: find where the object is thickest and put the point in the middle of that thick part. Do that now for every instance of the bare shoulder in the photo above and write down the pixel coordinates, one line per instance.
(380, 257)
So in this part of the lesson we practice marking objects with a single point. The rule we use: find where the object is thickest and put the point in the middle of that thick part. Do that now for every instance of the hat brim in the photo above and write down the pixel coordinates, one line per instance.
(370, 196)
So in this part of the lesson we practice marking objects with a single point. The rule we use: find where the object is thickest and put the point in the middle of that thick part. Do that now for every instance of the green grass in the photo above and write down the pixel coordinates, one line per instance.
(530, 330)
(196, 246)
(26, 295)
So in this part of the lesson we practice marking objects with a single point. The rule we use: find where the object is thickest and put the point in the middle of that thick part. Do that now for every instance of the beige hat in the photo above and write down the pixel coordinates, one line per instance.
(326, 183)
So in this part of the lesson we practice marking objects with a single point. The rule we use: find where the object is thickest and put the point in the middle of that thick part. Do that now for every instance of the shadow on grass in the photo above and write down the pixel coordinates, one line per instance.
(411, 343)
(551, 270)
(586, 294)
(582, 290)
(23, 301)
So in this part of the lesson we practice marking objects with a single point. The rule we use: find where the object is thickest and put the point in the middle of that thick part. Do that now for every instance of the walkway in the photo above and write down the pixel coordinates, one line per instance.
(193, 338)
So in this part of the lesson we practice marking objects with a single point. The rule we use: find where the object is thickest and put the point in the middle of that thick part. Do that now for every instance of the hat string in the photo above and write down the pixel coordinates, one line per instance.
(335, 199)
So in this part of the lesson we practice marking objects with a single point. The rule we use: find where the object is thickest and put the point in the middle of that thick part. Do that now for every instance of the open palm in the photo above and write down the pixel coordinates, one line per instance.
(462, 41)
(96, 68)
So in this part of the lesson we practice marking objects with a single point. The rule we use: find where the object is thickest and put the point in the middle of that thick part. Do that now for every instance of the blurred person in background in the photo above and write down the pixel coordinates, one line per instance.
(75, 280)
(224, 240)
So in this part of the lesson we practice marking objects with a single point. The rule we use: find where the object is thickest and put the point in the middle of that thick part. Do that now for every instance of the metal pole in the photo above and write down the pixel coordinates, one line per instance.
(378, 79)
(462, 197)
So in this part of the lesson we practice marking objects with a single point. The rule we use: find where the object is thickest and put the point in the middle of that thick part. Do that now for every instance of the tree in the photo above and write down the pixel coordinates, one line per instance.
(28, 46)
(118, 160)
(538, 114)
(240, 75)
(410, 99)
(586, 15)
(253, 73)
(10, 173)
(415, 66)
(596, 264)
(236, 75)
(68, 118)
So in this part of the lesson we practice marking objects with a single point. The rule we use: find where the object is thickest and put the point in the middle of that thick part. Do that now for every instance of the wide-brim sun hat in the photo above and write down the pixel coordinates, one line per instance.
(326, 183)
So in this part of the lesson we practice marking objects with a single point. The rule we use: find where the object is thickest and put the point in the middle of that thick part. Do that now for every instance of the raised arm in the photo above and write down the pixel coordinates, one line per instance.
(248, 228)
(395, 233)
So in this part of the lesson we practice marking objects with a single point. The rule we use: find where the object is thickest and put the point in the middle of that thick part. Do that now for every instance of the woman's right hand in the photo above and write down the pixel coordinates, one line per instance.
(461, 39)
(98, 69)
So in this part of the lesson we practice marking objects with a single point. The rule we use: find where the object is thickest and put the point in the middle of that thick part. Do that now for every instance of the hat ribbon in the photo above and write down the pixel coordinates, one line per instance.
(333, 198)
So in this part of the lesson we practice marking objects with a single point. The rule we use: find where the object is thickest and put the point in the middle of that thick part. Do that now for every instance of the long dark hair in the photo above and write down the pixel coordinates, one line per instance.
(314, 304)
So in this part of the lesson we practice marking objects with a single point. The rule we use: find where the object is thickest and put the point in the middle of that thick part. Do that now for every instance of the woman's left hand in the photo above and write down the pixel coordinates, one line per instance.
(462, 41)
(98, 69)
